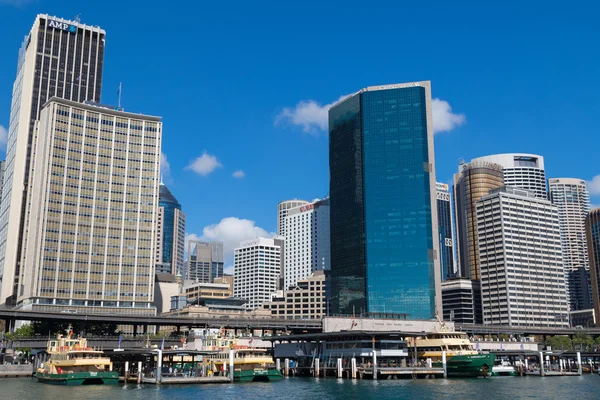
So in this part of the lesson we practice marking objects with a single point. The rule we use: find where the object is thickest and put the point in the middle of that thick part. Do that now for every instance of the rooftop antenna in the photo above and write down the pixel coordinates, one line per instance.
(119, 93)
(78, 18)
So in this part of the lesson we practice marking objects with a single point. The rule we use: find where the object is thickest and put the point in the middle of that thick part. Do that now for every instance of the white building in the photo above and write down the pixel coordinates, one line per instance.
(573, 201)
(282, 212)
(93, 209)
(256, 269)
(525, 171)
(57, 58)
(522, 279)
(307, 245)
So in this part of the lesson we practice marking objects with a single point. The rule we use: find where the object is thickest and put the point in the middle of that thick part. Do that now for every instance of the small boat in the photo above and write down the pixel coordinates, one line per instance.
(73, 363)
(503, 368)
(250, 365)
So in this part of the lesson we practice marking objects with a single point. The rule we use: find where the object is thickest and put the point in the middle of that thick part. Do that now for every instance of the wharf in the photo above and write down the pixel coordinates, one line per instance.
(552, 373)
(408, 372)
(190, 380)
(16, 371)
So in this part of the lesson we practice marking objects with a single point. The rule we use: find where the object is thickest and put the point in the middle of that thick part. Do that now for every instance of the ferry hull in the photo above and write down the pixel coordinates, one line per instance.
(264, 375)
(79, 378)
(469, 365)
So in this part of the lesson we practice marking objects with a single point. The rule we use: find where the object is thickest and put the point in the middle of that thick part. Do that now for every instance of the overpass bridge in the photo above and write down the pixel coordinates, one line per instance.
(103, 342)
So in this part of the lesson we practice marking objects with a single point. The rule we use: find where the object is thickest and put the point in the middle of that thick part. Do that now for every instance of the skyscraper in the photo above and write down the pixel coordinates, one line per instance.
(472, 182)
(57, 58)
(525, 171)
(522, 279)
(93, 208)
(384, 228)
(170, 238)
(282, 212)
(445, 231)
(205, 261)
(573, 201)
(592, 229)
(256, 266)
(307, 241)
(2, 169)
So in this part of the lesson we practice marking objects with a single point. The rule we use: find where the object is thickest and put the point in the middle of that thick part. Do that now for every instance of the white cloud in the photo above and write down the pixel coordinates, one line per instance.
(165, 167)
(594, 185)
(309, 114)
(444, 119)
(231, 231)
(3, 136)
(239, 174)
(313, 117)
(205, 164)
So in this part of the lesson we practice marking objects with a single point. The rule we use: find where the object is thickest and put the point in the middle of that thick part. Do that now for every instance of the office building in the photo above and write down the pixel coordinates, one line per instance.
(573, 201)
(58, 58)
(282, 212)
(522, 276)
(165, 287)
(205, 261)
(307, 241)
(93, 209)
(461, 301)
(592, 231)
(170, 234)
(384, 224)
(256, 266)
(473, 181)
(525, 171)
(445, 231)
(306, 300)
(2, 169)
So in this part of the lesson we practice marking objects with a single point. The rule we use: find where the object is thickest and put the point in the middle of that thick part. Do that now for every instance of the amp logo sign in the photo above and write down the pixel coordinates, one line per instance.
(61, 25)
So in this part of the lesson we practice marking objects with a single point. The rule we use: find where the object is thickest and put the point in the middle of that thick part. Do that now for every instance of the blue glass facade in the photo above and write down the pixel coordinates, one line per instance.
(382, 222)
(170, 204)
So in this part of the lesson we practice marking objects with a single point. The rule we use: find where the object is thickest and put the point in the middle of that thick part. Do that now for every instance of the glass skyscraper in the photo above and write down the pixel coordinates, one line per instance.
(170, 240)
(592, 230)
(384, 229)
(445, 231)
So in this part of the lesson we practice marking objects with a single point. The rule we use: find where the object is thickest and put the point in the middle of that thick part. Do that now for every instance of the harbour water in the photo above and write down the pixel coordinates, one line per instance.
(497, 388)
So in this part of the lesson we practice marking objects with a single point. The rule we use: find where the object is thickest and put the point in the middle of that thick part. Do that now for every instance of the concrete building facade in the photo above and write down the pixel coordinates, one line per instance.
(307, 299)
(592, 231)
(93, 210)
(307, 241)
(205, 261)
(522, 276)
(461, 300)
(282, 212)
(58, 58)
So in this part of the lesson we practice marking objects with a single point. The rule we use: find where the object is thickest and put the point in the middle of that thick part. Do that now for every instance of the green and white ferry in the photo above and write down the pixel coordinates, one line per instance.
(249, 364)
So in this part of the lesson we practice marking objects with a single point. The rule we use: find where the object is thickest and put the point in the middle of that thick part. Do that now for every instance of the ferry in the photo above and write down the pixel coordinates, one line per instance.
(461, 357)
(503, 368)
(73, 363)
(250, 365)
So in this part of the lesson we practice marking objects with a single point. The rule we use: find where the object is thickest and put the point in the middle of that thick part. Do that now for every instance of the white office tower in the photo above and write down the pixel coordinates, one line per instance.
(93, 211)
(307, 244)
(282, 211)
(525, 171)
(256, 269)
(522, 279)
(57, 58)
(573, 201)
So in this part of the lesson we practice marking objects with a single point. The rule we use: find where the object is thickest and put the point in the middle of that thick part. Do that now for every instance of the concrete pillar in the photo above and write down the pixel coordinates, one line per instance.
(126, 370)
(591, 367)
(159, 366)
(135, 330)
(560, 363)
(139, 379)
(353, 364)
(286, 371)
(526, 364)
(579, 369)
(339, 368)
(317, 367)
(278, 364)
(444, 364)
(231, 367)
(541, 364)
(374, 364)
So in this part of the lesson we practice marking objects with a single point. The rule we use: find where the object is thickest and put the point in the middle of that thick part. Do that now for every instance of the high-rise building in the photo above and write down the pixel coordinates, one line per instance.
(170, 235)
(306, 300)
(256, 266)
(573, 201)
(93, 209)
(57, 58)
(522, 278)
(282, 212)
(384, 224)
(525, 171)
(205, 261)
(2, 169)
(592, 229)
(472, 182)
(445, 231)
(307, 241)
(461, 300)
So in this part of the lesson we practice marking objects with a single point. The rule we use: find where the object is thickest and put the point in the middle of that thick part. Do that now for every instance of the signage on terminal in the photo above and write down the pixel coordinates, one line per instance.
(63, 26)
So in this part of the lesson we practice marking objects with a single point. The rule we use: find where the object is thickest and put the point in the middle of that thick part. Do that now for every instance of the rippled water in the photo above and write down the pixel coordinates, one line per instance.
(550, 388)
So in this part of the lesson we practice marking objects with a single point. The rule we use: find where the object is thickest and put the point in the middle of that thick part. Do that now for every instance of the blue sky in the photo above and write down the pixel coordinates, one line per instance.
(244, 86)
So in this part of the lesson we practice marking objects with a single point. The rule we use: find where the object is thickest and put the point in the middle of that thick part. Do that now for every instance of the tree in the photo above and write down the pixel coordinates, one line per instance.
(583, 342)
(560, 343)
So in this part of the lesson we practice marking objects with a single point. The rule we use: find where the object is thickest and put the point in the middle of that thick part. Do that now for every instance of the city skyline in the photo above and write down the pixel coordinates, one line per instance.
(276, 117)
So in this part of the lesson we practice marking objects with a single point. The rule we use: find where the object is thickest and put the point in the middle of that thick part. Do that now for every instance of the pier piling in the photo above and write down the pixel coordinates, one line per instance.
(317, 369)
(126, 370)
(444, 364)
(579, 369)
(287, 367)
(339, 368)
(139, 372)
(541, 364)
(231, 368)
(353, 363)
